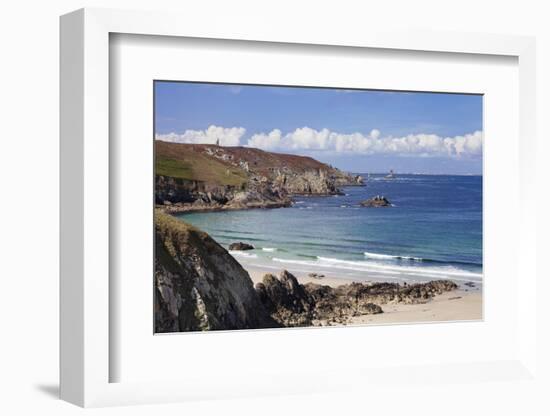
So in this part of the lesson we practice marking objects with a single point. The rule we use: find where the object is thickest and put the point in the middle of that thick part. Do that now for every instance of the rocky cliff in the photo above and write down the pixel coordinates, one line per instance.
(208, 177)
(199, 285)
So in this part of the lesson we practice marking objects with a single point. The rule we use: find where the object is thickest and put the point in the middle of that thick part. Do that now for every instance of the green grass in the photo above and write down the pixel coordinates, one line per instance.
(173, 168)
(200, 168)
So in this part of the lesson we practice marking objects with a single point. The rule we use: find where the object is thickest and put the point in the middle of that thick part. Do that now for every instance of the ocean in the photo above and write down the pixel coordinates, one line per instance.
(433, 231)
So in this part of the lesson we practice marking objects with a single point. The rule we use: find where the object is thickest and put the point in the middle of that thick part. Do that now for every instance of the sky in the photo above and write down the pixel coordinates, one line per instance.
(354, 130)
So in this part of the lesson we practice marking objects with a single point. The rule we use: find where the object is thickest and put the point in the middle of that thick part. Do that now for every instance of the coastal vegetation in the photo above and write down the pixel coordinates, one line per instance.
(188, 163)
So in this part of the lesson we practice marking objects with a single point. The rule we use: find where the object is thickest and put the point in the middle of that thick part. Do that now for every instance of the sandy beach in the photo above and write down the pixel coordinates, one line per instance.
(453, 306)
(464, 304)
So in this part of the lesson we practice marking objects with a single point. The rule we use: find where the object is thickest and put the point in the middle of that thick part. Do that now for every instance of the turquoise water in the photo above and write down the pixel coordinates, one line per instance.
(433, 231)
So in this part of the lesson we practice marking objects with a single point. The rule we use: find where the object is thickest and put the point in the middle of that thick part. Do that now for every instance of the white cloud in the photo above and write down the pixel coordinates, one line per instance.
(227, 136)
(268, 141)
(306, 138)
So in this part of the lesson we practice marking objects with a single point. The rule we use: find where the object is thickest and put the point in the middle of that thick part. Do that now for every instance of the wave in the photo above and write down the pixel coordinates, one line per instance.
(237, 253)
(370, 267)
(379, 256)
(233, 237)
(230, 231)
(390, 257)
(270, 249)
(291, 261)
(444, 271)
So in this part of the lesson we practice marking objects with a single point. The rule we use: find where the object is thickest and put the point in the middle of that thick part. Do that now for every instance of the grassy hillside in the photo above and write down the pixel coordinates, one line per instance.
(224, 165)
(185, 162)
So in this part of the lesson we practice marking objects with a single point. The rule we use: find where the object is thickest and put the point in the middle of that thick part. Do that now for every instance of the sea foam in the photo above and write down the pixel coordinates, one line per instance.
(390, 257)
(237, 253)
(378, 268)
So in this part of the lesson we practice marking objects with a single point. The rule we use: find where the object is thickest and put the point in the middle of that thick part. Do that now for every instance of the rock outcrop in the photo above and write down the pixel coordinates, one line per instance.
(241, 246)
(377, 202)
(385, 292)
(199, 285)
(192, 177)
(293, 304)
(348, 179)
(311, 182)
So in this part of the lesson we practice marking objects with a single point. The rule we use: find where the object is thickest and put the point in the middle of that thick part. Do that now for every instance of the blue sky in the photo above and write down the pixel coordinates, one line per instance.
(355, 130)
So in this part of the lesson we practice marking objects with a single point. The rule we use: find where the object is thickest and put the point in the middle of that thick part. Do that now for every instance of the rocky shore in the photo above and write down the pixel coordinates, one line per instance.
(212, 178)
(293, 304)
(199, 286)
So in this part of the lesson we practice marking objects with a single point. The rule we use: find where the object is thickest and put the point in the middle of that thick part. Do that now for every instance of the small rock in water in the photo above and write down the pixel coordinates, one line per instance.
(240, 246)
(376, 202)
(470, 284)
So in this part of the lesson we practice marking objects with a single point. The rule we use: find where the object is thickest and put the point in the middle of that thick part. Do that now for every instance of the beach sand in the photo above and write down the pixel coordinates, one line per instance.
(459, 305)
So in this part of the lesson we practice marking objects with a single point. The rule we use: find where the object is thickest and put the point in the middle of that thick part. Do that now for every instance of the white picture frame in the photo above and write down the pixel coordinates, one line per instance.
(85, 211)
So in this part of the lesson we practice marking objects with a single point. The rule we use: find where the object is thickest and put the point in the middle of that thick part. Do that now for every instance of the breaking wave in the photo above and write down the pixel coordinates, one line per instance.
(390, 257)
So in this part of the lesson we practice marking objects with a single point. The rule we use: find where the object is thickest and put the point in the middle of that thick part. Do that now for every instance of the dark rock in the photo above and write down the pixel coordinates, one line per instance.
(240, 246)
(372, 309)
(376, 202)
(293, 304)
(199, 285)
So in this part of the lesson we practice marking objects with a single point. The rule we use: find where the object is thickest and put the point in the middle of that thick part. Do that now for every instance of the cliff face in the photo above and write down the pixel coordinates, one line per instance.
(202, 177)
(310, 182)
(199, 285)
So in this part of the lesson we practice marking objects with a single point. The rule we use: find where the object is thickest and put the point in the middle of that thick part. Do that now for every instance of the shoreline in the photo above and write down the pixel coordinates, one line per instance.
(462, 304)
(176, 208)
(335, 276)
(189, 208)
